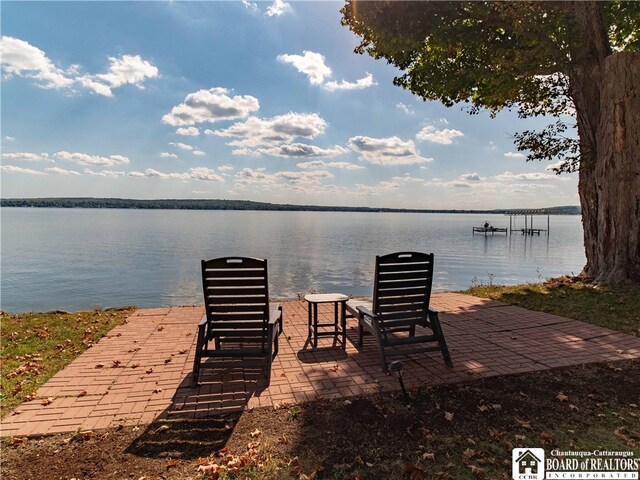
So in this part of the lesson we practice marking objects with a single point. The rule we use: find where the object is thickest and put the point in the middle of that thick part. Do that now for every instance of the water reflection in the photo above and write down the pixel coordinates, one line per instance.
(150, 258)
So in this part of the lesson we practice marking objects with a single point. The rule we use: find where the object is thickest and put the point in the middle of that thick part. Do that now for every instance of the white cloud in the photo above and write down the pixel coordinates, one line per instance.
(150, 172)
(211, 106)
(277, 8)
(313, 65)
(250, 5)
(313, 176)
(514, 155)
(104, 173)
(61, 171)
(432, 134)
(200, 153)
(365, 82)
(27, 156)
(225, 168)
(168, 155)
(248, 176)
(271, 132)
(405, 108)
(188, 132)
(23, 59)
(126, 70)
(323, 164)
(198, 173)
(375, 189)
(14, 169)
(507, 176)
(553, 166)
(470, 177)
(301, 150)
(386, 151)
(86, 159)
(182, 146)
(7, 138)
(203, 173)
(310, 63)
(407, 178)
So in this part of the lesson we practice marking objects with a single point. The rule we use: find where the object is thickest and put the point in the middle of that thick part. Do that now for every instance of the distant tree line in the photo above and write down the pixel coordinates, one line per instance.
(172, 204)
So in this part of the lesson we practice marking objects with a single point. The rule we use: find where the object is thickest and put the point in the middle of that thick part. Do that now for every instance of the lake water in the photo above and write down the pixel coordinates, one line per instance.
(80, 258)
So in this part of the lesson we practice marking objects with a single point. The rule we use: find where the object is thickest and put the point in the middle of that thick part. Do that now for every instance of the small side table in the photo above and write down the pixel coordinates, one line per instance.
(339, 325)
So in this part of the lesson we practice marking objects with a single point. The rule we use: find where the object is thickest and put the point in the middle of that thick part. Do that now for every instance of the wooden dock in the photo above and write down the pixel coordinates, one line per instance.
(491, 230)
(532, 231)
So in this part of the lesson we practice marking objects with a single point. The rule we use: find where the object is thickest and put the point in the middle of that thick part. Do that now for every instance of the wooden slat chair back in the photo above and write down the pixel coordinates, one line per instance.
(238, 317)
(400, 303)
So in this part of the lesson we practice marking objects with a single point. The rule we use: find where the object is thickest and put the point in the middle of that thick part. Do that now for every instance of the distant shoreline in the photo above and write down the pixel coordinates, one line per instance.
(181, 204)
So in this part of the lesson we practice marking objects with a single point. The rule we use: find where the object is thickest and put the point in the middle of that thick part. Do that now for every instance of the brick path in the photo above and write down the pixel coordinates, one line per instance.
(155, 354)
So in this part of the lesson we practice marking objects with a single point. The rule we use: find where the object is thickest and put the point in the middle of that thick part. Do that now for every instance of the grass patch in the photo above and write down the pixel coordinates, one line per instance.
(567, 297)
(34, 346)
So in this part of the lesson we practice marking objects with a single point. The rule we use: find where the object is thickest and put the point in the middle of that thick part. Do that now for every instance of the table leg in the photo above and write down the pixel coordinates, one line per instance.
(309, 307)
(344, 324)
(315, 325)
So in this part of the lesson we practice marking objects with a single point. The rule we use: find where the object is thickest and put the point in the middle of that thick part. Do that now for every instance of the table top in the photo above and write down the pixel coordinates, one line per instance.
(326, 298)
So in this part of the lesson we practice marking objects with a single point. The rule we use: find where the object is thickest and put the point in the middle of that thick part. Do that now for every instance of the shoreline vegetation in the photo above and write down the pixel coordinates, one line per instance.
(464, 430)
(221, 204)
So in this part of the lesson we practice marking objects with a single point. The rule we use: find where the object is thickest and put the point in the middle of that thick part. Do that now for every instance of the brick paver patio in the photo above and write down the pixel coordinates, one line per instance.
(141, 370)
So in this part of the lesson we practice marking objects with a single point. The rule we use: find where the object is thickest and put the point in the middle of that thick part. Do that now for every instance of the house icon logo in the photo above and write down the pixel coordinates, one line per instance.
(527, 463)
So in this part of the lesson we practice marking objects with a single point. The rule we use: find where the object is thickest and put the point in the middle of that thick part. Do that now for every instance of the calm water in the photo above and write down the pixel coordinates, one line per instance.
(80, 258)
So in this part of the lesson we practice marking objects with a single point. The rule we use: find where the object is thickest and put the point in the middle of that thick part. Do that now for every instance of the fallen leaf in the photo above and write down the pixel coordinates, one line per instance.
(18, 440)
(162, 428)
(573, 407)
(99, 365)
(476, 470)
(172, 463)
(496, 407)
(115, 363)
(255, 433)
(483, 408)
(562, 397)
(468, 453)
(167, 360)
(428, 456)
(283, 440)
(82, 393)
(347, 402)
(448, 416)
(523, 423)
(135, 365)
(546, 437)
(47, 401)
(157, 390)
(183, 351)
(414, 473)
(160, 328)
(149, 370)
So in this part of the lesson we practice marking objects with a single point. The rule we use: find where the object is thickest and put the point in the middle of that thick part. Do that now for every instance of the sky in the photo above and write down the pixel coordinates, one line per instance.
(262, 101)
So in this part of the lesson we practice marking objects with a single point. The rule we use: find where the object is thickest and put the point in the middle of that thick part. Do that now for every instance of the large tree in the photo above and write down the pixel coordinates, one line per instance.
(575, 61)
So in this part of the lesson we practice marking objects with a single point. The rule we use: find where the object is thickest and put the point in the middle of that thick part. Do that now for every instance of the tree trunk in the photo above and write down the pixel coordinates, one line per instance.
(605, 88)
(617, 172)
(609, 183)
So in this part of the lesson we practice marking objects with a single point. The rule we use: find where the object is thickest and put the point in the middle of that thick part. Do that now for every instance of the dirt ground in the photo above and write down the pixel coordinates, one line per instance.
(455, 431)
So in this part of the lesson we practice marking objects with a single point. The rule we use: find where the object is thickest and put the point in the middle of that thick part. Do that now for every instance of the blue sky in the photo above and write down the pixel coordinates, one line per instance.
(260, 101)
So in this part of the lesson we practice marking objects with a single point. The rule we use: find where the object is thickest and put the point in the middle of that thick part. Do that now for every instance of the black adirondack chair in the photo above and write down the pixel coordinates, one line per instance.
(239, 320)
(401, 294)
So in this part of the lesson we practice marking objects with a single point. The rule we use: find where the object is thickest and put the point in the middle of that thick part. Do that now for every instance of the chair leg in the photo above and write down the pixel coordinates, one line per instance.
(437, 330)
(200, 345)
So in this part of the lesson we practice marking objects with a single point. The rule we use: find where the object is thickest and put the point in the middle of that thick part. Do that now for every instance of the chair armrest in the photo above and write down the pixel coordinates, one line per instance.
(431, 312)
(273, 316)
(365, 311)
(203, 321)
